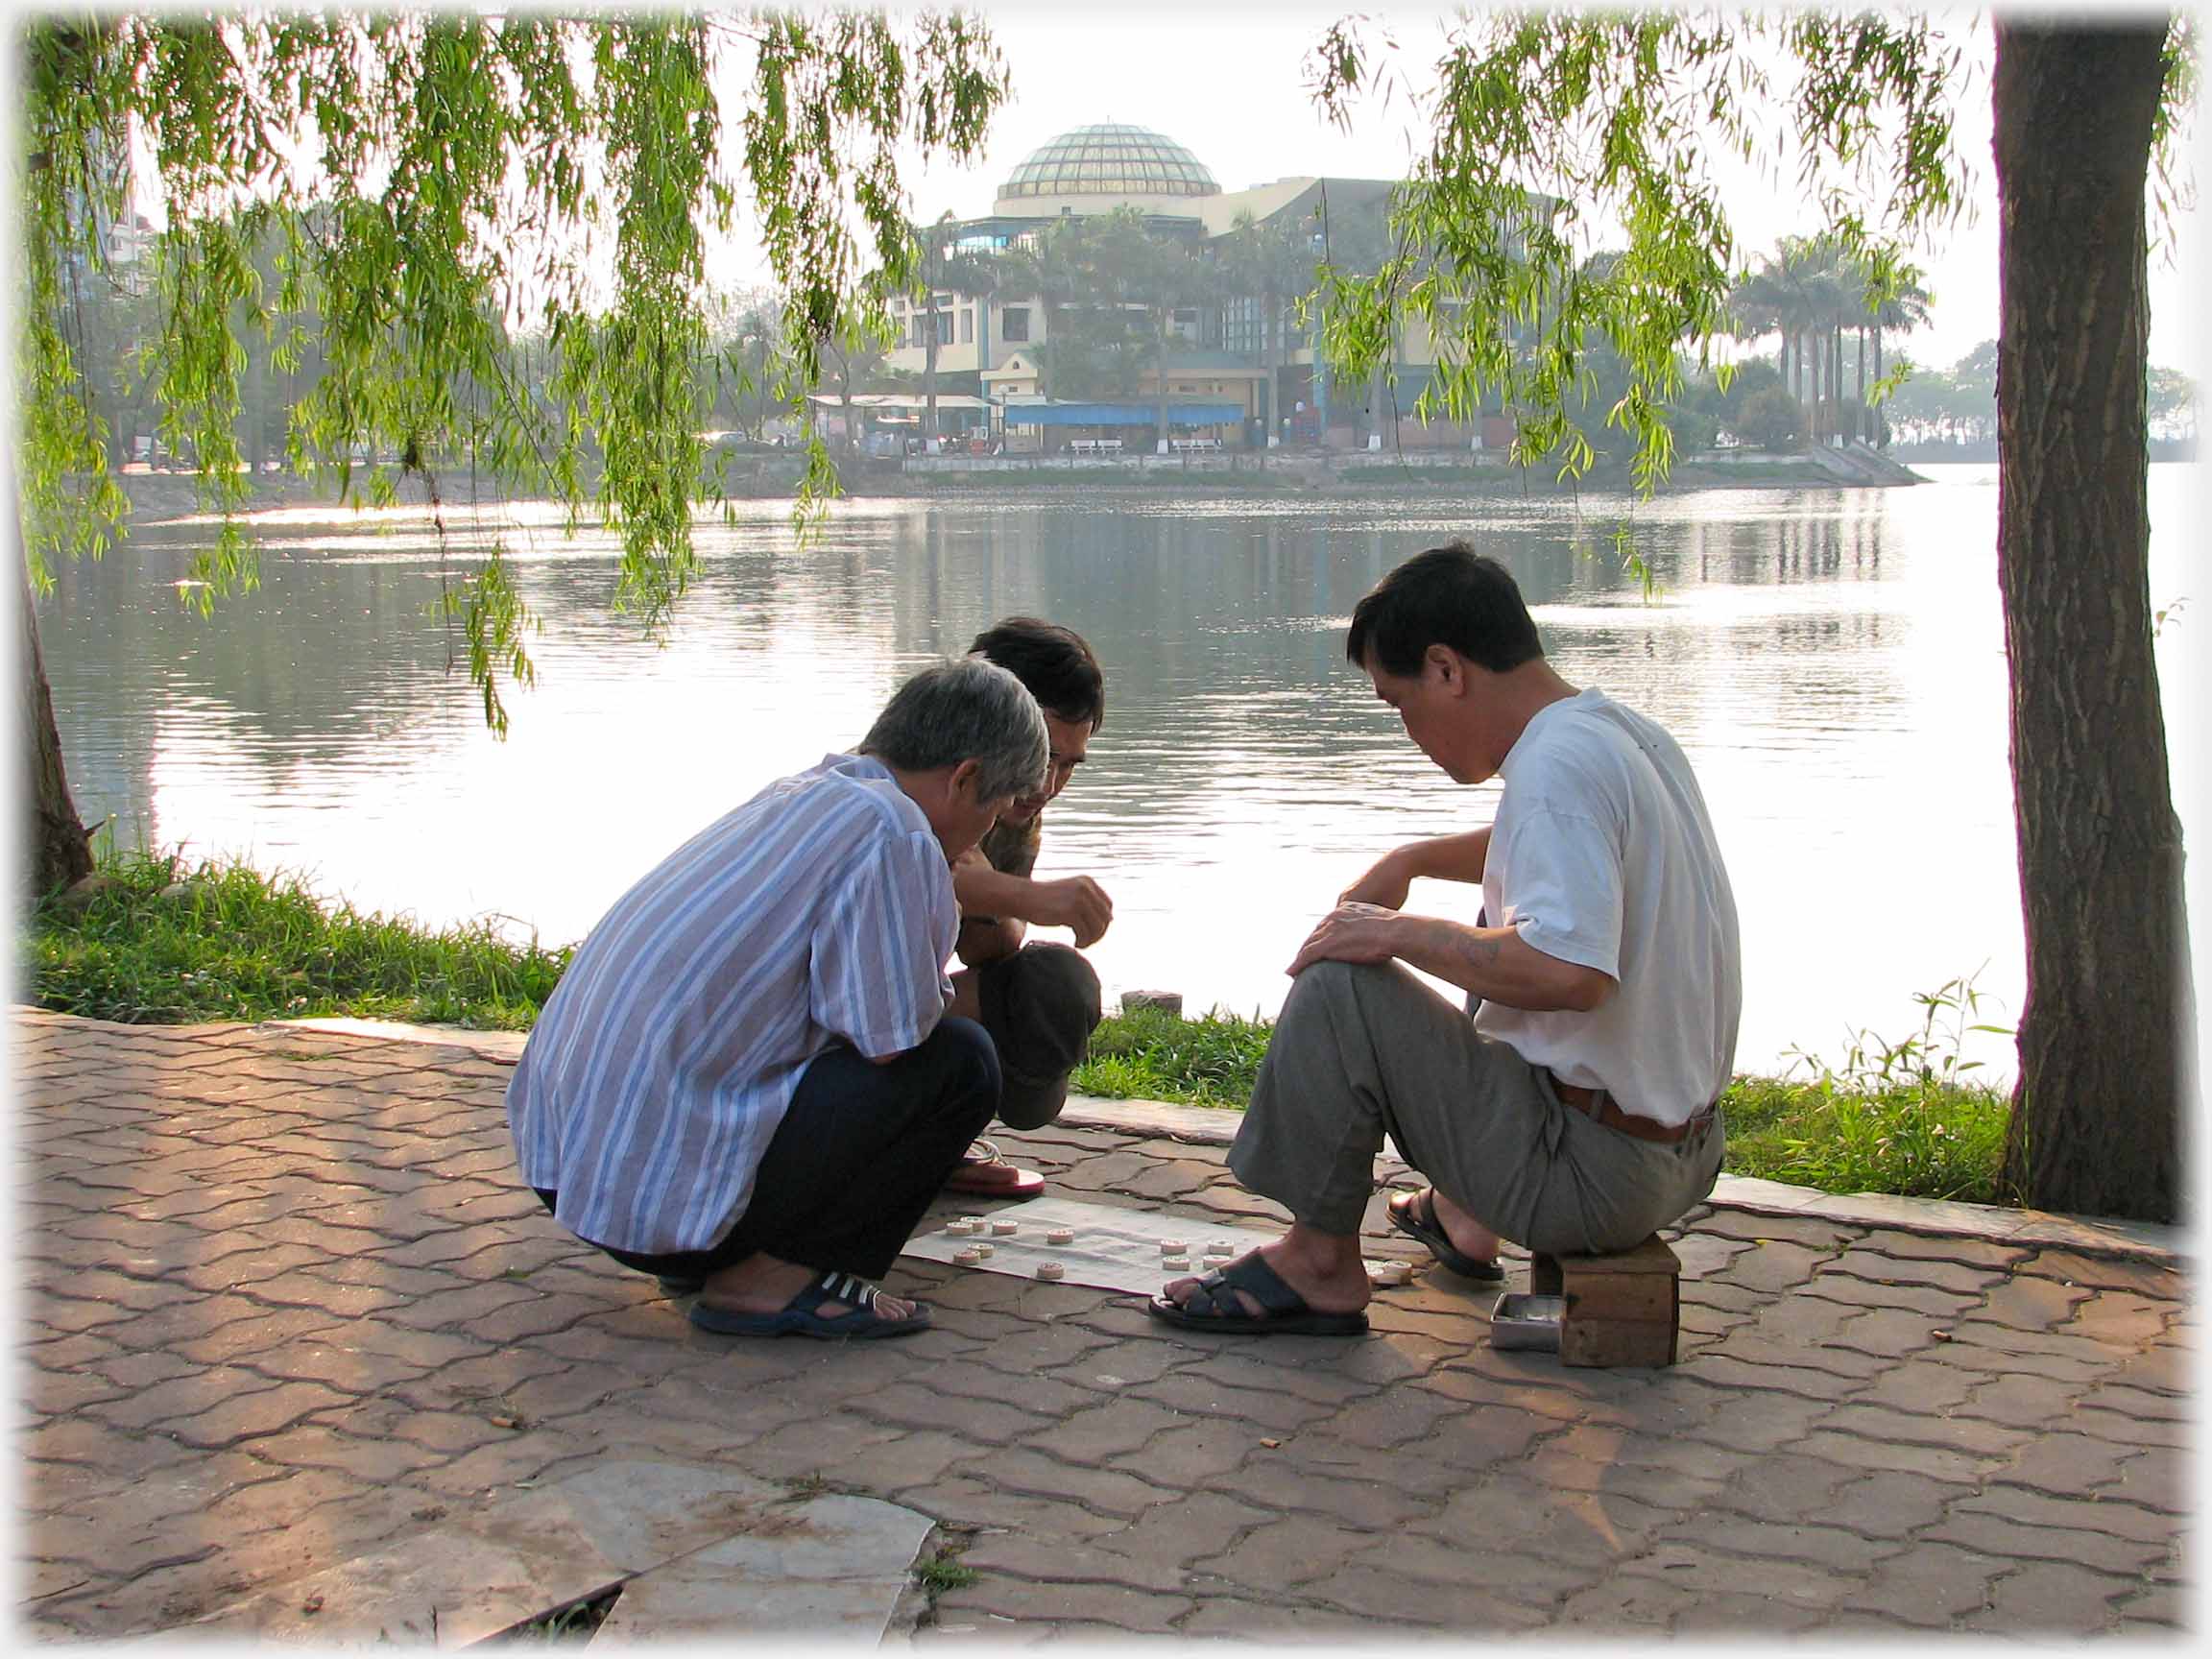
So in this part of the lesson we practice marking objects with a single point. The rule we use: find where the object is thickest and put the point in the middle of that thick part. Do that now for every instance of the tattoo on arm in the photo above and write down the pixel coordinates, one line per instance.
(1478, 952)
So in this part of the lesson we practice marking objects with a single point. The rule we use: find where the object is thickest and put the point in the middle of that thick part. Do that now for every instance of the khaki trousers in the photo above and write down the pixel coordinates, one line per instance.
(1363, 1052)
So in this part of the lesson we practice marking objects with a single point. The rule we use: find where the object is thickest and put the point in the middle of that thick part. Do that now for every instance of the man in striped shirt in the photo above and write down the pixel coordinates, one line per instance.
(746, 1081)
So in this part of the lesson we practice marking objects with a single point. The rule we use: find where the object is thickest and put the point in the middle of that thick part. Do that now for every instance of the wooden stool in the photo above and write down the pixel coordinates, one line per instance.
(1622, 1310)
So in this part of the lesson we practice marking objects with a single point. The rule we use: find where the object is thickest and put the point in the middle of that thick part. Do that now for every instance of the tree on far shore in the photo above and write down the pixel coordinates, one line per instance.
(501, 227)
(1547, 122)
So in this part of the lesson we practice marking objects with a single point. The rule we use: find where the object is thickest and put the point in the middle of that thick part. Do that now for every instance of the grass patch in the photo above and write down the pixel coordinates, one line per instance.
(576, 1623)
(160, 944)
(940, 1573)
(1905, 1118)
(1153, 1055)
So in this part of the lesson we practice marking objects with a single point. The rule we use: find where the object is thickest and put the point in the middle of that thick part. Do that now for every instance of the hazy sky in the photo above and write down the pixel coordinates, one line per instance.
(1226, 78)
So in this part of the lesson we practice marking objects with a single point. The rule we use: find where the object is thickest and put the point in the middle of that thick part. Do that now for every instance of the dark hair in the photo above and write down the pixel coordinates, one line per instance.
(1053, 661)
(966, 710)
(1446, 596)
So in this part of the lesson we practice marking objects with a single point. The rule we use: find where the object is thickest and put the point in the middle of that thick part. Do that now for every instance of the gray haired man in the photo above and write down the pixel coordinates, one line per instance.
(745, 1083)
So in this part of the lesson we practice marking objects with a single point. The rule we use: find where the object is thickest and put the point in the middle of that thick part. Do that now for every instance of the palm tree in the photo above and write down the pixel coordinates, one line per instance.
(934, 242)
(1902, 310)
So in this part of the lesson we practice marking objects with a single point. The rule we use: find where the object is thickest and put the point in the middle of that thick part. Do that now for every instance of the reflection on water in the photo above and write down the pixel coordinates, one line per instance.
(1831, 659)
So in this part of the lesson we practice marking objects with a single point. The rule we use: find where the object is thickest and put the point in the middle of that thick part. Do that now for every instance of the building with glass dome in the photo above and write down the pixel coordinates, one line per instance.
(1259, 385)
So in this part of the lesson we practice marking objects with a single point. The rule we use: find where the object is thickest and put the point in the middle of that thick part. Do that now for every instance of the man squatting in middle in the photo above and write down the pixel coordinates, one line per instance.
(1039, 1002)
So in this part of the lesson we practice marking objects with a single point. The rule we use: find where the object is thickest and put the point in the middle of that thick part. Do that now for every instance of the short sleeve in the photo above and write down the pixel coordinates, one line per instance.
(1563, 879)
(1011, 849)
(876, 970)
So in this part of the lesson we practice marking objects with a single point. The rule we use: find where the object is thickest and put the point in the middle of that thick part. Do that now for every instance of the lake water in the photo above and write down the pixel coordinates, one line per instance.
(1831, 659)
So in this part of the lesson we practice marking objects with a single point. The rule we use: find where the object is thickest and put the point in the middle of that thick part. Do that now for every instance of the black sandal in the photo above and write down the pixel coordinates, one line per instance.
(1417, 1217)
(1284, 1311)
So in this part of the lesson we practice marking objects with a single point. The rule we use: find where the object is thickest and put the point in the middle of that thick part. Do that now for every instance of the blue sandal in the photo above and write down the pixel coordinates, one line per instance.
(801, 1316)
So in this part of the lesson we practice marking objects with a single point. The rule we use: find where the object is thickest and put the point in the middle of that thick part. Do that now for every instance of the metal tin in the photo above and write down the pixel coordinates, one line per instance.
(1521, 1321)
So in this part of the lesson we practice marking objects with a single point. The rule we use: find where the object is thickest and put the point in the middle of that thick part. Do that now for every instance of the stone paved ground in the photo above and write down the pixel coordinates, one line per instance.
(287, 1302)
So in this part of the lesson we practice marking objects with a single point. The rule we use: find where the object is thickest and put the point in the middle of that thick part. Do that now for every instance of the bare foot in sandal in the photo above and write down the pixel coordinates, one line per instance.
(766, 1284)
(1305, 1282)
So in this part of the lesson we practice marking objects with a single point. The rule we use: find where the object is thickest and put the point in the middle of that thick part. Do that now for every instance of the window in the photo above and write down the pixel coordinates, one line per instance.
(1013, 323)
(966, 324)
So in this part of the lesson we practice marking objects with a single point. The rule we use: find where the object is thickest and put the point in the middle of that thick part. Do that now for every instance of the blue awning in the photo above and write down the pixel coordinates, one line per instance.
(1122, 414)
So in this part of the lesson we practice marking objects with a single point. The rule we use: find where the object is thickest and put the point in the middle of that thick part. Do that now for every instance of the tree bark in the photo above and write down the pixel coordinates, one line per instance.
(60, 852)
(2109, 1009)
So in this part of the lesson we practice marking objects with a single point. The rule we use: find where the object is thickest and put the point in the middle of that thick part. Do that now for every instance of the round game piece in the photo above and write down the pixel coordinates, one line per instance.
(1176, 1263)
(958, 1229)
(1172, 1246)
(967, 1258)
(1219, 1247)
(981, 1250)
(1005, 1229)
(1060, 1236)
(1050, 1270)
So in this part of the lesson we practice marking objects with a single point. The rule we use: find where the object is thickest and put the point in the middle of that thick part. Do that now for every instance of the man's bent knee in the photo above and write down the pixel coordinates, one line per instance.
(1040, 1005)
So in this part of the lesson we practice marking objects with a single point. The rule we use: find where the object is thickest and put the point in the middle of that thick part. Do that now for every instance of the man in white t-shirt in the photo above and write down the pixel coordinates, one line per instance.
(1575, 1110)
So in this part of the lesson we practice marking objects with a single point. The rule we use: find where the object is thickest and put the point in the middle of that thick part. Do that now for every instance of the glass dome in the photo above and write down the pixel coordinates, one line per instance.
(1109, 160)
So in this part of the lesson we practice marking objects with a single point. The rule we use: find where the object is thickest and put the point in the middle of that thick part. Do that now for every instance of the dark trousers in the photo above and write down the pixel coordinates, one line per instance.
(857, 1159)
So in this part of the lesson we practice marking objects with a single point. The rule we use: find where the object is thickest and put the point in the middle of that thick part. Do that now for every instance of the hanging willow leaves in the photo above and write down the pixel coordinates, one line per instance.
(435, 191)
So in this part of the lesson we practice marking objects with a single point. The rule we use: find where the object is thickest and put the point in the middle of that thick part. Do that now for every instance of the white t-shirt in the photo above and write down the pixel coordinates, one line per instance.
(1603, 854)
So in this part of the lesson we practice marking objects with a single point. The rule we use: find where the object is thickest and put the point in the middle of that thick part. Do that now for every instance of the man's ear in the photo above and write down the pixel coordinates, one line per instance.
(1450, 667)
(963, 781)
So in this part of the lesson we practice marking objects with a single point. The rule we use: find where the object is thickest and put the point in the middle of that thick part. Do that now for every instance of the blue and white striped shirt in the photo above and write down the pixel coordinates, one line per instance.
(819, 911)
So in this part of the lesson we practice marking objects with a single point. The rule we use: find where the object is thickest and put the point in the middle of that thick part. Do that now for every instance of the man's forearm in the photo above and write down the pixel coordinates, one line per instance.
(1497, 965)
(983, 891)
(1452, 858)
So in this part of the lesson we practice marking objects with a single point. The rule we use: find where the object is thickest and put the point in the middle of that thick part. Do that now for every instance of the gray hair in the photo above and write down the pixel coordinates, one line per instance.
(964, 710)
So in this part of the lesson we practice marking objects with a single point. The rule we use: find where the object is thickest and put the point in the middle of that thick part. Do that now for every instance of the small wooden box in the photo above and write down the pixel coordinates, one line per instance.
(1623, 1309)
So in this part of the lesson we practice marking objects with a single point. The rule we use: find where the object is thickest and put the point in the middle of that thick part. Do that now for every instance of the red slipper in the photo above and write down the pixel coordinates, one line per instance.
(991, 1176)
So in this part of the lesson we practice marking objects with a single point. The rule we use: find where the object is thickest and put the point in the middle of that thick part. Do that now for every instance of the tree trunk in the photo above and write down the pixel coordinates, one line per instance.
(1875, 426)
(2110, 1010)
(61, 852)
(1865, 434)
(1165, 321)
(930, 345)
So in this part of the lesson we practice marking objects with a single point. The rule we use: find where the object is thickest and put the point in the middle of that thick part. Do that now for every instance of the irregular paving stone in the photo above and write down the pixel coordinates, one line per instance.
(1110, 1604)
(250, 1416)
(2065, 1465)
(2114, 1516)
(1097, 1432)
(1879, 1267)
(963, 1500)
(1284, 1623)
(1107, 1491)
(1961, 1432)
(2050, 1599)
(1686, 1565)
(2156, 1480)
(1819, 1237)
(1362, 1492)
(1198, 1525)
(1398, 1599)
(1021, 1556)
(1287, 1551)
